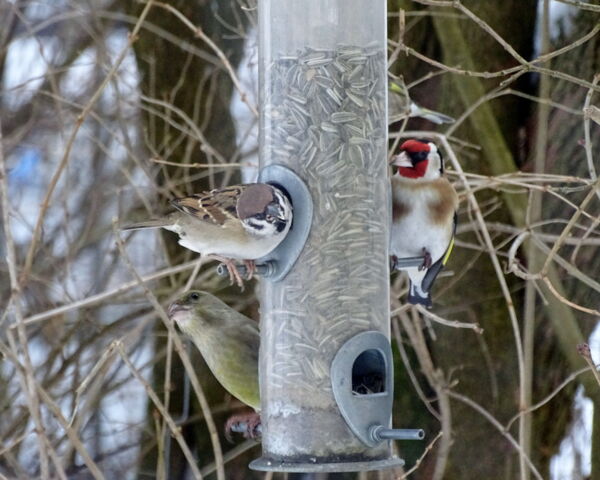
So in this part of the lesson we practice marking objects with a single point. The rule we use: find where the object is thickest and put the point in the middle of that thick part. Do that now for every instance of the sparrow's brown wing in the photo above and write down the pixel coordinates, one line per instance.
(215, 207)
(237, 202)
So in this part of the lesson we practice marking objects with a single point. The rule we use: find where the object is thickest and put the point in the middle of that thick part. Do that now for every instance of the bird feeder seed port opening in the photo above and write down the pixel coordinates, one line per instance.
(369, 373)
(362, 381)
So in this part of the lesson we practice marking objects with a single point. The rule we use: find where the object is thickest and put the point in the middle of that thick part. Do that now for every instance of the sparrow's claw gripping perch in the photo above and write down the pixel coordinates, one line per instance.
(250, 268)
(426, 260)
(234, 275)
(248, 424)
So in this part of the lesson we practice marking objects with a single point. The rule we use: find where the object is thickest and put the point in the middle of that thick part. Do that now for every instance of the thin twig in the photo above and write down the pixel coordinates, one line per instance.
(27, 375)
(210, 424)
(422, 457)
(585, 351)
(490, 418)
(580, 4)
(200, 33)
(175, 430)
(103, 296)
(200, 165)
(71, 141)
(448, 323)
(231, 455)
(549, 397)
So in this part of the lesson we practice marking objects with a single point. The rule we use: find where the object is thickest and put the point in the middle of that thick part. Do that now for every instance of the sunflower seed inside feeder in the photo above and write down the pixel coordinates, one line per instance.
(324, 119)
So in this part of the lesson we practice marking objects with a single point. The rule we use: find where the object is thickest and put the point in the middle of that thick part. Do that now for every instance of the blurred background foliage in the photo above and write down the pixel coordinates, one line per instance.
(109, 108)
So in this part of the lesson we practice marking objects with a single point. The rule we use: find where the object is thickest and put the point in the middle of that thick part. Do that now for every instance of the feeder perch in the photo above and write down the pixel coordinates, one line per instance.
(262, 270)
(404, 263)
(326, 379)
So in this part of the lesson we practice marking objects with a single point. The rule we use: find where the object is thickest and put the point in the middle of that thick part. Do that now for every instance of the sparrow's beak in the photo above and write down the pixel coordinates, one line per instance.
(274, 210)
(401, 160)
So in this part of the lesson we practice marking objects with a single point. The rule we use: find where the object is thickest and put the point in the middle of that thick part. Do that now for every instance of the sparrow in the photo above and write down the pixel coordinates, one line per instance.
(229, 343)
(401, 106)
(242, 222)
(424, 205)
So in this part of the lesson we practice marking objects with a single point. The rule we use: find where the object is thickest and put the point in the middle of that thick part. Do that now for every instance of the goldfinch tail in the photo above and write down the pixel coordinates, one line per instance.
(418, 297)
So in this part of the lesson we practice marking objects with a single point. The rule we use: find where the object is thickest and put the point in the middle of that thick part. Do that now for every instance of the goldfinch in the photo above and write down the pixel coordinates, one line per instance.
(243, 222)
(423, 215)
(229, 343)
(400, 106)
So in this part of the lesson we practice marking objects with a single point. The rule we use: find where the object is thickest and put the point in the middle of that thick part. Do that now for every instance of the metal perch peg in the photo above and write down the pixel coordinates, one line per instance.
(263, 269)
(379, 433)
(408, 262)
(242, 427)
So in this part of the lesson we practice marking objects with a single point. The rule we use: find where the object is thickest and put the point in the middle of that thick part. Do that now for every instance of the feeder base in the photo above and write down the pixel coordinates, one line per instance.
(267, 465)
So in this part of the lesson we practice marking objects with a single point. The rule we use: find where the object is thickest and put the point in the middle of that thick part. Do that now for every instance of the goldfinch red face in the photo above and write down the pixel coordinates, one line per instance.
(418, 159)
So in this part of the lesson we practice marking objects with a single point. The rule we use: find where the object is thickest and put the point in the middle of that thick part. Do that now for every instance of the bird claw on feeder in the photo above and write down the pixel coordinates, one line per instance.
(232, 270)
(426, 260)
(249, 269)
(248, 424)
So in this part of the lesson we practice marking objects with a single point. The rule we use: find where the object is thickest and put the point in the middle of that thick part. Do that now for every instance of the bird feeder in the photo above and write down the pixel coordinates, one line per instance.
(326, 379)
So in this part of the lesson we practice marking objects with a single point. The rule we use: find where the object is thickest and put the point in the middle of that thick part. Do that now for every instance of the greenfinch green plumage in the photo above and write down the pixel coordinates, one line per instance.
(228, 341)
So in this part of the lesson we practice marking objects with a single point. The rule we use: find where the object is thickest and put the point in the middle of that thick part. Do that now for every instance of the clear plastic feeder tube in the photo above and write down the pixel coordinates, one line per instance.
(323, 92)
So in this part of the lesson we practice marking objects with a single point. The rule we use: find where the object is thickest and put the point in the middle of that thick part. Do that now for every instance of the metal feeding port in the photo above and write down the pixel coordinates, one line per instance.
(278, 263)
(362, 381)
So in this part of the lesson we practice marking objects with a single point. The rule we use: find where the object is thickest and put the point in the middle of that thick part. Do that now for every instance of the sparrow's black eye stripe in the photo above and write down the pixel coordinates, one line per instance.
(256, 226)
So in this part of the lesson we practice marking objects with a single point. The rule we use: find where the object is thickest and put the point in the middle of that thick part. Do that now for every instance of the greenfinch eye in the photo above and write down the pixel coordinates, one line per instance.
(194, 296)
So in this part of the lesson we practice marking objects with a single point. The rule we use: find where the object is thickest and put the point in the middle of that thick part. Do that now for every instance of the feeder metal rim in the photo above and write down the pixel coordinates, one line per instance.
(267, 465)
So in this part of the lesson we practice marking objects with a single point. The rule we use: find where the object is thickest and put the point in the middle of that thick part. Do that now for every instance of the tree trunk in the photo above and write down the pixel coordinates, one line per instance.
(497, 126)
